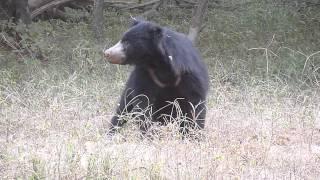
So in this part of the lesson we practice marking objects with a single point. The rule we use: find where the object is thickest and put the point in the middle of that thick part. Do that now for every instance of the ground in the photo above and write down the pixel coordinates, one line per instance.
(248, 134)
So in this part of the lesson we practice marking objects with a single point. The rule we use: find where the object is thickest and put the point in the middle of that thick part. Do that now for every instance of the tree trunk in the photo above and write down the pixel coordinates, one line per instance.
(18, 9)
(98, 20)
(196, 22)
(22, 11)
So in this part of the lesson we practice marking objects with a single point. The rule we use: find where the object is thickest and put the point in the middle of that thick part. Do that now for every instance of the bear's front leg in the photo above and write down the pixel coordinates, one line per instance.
(136, 105)
(123, 108)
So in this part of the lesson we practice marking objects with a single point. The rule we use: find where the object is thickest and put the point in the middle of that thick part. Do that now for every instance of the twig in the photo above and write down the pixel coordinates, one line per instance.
(119, 2)
(8, 43)
(154, 9)
(266, 52)
(308, 57)
(143, 5)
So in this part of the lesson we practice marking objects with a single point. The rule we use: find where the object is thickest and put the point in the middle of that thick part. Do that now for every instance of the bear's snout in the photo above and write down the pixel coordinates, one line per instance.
(115, 54)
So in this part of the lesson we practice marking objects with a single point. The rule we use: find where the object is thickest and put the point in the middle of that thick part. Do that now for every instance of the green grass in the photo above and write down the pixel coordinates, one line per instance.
(263, 106)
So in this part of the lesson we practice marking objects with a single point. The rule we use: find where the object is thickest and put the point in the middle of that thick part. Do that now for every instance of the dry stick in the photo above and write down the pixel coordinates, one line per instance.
(154, 9)
(189, 2)
(308, 57)
(119, 2)
(7, 42)
(143, 5)
(266, 52)
(45, 7)
(14, 45)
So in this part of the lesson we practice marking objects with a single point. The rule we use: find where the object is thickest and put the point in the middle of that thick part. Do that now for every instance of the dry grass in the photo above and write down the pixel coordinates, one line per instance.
(262, 131)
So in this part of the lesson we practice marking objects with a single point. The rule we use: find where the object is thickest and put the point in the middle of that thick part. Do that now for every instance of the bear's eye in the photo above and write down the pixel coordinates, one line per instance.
(125, 45)
(126, 39)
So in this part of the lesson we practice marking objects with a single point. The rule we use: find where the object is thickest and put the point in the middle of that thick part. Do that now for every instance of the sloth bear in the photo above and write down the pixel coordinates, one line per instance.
(169, 78)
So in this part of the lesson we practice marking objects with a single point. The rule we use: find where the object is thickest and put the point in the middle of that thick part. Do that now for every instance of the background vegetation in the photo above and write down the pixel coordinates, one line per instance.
(57, 94)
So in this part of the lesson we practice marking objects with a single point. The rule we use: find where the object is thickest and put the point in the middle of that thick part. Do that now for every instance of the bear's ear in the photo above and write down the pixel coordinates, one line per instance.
(135, 20)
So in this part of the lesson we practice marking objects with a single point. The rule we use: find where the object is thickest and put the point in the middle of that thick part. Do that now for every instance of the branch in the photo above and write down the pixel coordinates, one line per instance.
(143, 5)
(45, 7)
(153, 10)
(189, 2)
(118, 2)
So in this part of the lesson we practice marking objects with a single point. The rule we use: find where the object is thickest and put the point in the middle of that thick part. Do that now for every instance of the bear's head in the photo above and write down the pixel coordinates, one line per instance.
(140, 44)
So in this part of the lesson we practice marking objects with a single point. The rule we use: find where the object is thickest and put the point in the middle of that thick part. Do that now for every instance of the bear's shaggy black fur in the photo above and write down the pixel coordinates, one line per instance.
(167, 68)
